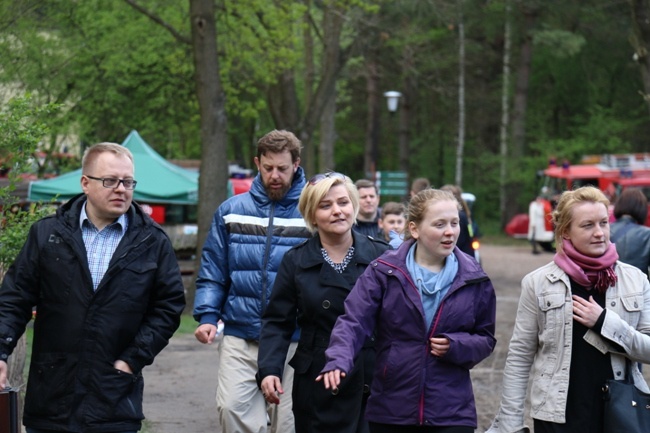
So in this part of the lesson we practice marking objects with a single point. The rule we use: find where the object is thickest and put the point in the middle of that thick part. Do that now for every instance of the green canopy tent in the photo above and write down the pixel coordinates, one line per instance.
(159, 181)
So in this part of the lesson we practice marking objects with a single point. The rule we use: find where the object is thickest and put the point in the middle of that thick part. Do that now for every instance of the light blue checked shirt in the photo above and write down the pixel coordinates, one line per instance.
(100, 245)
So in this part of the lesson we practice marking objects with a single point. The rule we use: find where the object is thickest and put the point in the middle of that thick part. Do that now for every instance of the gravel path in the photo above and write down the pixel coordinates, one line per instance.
(180, 385)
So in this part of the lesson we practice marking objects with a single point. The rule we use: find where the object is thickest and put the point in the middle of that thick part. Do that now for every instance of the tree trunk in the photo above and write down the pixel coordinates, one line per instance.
(371, 152)
(522, 84)
(309, 155)
(461, 96)
(404, 139)
(640, 42)
(286, 107)
(213, 179)
(406, 103)
(327, 136)
(505, 116)
(519, 109)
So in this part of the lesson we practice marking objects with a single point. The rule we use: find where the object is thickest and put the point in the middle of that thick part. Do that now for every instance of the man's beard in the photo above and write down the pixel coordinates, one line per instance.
(277, 194)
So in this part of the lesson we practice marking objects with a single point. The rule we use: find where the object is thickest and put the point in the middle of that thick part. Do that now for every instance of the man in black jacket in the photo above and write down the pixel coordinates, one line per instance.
(109, 295)
(369, 214)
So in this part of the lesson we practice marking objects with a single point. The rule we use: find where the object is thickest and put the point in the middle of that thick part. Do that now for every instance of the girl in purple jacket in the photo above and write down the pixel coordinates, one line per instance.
(432, 310)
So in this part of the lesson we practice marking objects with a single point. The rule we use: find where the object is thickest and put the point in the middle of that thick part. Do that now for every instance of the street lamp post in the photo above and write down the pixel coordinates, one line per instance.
(395, 182)
(392, 98)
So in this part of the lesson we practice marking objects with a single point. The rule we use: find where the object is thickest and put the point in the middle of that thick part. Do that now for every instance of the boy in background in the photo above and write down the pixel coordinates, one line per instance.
(392, 222)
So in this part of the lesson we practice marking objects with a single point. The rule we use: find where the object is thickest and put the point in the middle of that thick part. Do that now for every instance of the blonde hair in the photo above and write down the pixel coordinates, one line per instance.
(313, 193)
(421, 201)
(91, 154)
(563, 213)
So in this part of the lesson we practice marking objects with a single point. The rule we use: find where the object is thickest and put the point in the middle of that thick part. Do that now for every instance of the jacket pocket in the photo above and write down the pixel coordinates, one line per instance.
(115, 396)
(632, 305)
(551, 321)
(136, 279)
(49, 387)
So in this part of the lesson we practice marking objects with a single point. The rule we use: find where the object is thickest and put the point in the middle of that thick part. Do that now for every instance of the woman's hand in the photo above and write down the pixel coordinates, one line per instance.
(439, 346)
(331, 379)
(586, 312)
(272, 389)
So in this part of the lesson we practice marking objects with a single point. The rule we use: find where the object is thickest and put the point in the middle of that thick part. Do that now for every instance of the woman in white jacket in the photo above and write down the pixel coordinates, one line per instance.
(579, 318)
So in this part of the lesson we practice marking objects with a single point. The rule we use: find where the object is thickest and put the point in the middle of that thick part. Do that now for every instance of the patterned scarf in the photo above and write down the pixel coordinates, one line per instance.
(588, 271)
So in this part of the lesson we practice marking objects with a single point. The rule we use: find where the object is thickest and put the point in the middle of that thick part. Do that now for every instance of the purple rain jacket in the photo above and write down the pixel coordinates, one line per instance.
(410, 386)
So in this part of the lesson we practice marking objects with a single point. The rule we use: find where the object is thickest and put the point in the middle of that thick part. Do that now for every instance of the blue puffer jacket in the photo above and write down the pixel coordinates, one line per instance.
(248, 238)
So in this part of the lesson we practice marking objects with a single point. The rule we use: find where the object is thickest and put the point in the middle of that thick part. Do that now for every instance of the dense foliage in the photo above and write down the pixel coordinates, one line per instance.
(22, 127)
(114, 69)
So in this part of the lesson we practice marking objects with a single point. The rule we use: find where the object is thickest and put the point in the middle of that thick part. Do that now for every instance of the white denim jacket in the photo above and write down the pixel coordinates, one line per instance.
(541, 343)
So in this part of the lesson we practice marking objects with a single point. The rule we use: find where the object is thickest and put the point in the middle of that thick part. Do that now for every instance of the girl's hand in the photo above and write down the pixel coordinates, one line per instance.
(439, 346)
(331, 379)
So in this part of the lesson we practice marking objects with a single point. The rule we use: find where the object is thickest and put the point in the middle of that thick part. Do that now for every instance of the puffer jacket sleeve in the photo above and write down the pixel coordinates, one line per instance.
(358, 322)
(213, 280)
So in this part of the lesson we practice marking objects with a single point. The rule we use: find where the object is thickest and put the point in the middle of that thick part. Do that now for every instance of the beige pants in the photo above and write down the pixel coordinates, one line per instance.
(240, 405)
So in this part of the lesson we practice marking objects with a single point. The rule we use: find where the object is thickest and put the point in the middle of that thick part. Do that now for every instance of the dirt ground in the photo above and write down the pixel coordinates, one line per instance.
(180, 385)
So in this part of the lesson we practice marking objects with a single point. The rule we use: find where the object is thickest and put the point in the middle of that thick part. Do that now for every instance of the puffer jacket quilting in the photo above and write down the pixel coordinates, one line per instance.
(248, 238)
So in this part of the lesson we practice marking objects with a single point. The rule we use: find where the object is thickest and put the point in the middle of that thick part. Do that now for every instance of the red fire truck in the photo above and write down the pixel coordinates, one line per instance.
(610, 173)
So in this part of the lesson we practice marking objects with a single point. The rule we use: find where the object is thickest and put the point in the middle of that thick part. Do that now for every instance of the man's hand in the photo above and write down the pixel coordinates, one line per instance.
(122, 366)
(206, 333)
(3, 374)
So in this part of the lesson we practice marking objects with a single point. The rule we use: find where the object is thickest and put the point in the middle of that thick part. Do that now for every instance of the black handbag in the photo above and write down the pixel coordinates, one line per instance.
(9, 411)
(627, 409)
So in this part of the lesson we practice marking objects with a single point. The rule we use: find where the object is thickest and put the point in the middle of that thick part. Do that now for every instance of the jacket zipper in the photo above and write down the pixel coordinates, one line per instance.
(426, 353)
(267, 253)
(426, 345)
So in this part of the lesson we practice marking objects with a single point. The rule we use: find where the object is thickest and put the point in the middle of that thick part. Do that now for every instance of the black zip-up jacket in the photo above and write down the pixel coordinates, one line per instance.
(78, 332)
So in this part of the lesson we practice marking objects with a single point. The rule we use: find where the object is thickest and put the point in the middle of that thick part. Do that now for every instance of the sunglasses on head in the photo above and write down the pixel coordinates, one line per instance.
(317, 178)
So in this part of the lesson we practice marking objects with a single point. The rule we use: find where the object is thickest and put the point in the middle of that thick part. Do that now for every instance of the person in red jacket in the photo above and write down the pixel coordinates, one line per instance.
(540, 225)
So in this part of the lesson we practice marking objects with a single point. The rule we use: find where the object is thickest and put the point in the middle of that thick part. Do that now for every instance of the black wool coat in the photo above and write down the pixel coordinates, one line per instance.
(310, 292)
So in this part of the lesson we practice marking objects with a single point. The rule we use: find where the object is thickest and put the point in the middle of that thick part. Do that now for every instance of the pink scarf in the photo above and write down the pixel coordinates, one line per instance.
(588, 271)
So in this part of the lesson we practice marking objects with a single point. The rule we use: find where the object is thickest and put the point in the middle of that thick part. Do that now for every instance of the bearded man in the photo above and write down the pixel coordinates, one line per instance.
(248, 237)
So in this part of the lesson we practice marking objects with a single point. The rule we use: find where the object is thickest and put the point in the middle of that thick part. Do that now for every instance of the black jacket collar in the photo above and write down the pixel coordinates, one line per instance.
(364, 252)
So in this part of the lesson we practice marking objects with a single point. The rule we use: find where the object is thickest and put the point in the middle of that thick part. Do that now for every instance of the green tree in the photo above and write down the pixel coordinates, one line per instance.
(23, 124)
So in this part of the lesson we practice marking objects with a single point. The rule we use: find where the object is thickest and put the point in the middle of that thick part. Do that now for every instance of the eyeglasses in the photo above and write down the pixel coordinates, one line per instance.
(111, 182)
(317, 178)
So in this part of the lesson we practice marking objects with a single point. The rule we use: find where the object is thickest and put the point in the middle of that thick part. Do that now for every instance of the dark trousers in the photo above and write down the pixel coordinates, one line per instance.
(390, 428)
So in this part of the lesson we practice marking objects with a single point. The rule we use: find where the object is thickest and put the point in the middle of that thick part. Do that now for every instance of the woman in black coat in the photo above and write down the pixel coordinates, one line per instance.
(312, 283)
